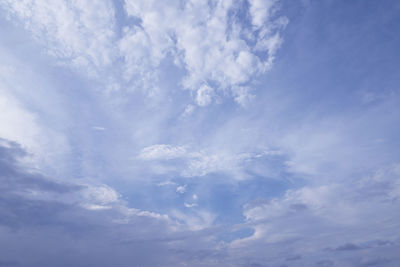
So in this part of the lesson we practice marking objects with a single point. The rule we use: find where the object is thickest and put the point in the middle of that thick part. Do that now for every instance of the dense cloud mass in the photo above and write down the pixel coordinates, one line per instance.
(246, 133)
(216, 43)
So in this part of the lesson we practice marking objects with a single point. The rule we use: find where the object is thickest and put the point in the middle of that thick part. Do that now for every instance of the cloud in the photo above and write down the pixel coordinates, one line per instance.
(294, 258)
(204, 95)
(22, 115)
(164, 152)
(187, 205)
(188, 110)
(347, 247)
(98, 128)
(79, 33)
(208, 40)
(46, 217)
(213, 42)
(191, 163)
(25, 193)
(99, 197)
(198, 220)
(325, 263)
(321, 218)
(337, 175)
(374, 262)
(19, 124)
(166, 183)
(181, 189)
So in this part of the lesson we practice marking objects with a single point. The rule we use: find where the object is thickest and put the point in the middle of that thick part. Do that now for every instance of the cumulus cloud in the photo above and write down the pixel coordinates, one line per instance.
(210, 41)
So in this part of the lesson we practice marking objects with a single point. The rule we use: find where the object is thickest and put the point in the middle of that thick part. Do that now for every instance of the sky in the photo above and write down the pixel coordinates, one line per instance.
(246, 133)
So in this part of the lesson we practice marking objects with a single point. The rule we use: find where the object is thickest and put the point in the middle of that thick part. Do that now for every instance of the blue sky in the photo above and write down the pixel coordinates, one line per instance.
(199, 133)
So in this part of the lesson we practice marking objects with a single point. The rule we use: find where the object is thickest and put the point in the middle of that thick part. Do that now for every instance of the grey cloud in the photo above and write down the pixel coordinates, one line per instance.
(365, 245)
(54, 229)
(293, 258)
(17, 207)
(256, 265)
(347, 247)
(325, 263)
(375, 262)
(298, 207)
(15, 178)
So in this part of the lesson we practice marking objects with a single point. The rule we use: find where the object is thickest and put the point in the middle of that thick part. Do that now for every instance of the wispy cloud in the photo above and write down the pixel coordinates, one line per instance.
(201, 163)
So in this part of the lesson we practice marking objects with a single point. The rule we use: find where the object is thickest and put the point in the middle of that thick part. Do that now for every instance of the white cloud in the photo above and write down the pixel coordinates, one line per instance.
(204, 38)
(98, 128)
(162, 151)
(200, 163)
(260, 11)
(207, 42)
(77, 32)
(242, 95)
(317, 199)
(166, 183)
(95, 207)
(25, 127)
(219, 55)
(194, 204)
(27, 104)
(199, 220)
(18, 124)
(181, 189)
(101, 195)
(325, 215)
(383, 183)
(187, 205)
(204, 95)
(140, 62)
(188, 110)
